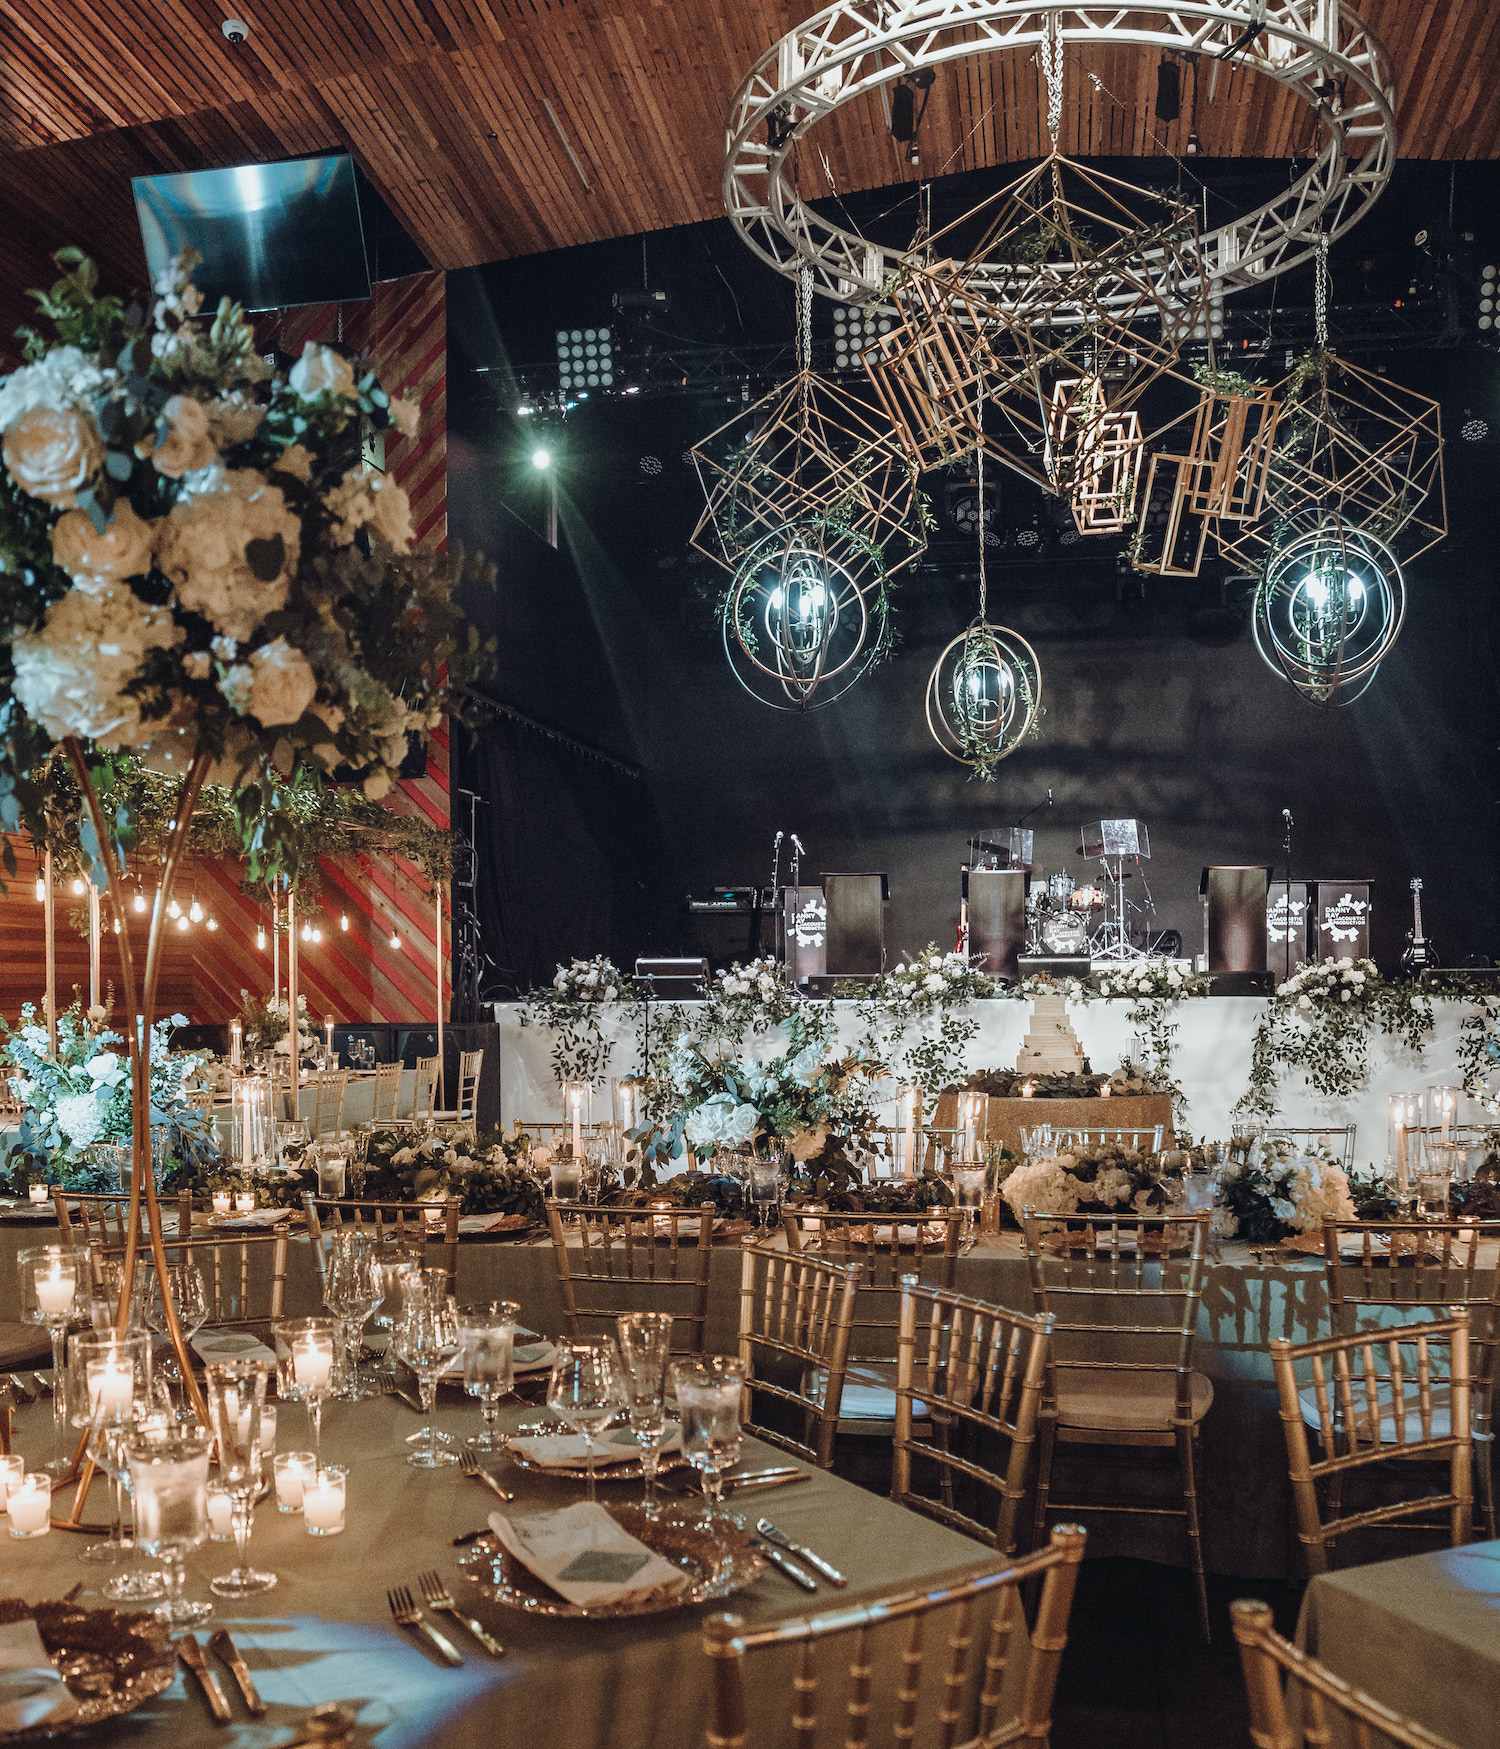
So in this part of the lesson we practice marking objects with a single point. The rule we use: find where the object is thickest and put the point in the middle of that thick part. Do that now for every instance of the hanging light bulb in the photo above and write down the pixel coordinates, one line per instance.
(140, 897)
(343, 920)
(195, 910)
(317, 936)
(182, 921)
(78, 887)
(307, 931)
(213, 923)
(395, 941)
(260, 938)
(173, 908)
(41, 888)
(117, 925)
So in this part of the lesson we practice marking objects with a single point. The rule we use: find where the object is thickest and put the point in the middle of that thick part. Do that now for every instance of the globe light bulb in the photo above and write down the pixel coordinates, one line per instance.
(317, 936)
(395, 941)
(140, 899)
(174, 909)
(307, 931)
(213, 923)
(182, 921)
(78, 886)
(541, 457)
(195, 911)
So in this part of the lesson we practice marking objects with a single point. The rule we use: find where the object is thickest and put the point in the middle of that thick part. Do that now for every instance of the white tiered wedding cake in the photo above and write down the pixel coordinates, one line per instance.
(1051, 1046)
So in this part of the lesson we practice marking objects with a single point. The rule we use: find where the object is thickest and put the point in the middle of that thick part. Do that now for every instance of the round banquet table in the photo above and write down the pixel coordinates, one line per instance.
(325, 1632)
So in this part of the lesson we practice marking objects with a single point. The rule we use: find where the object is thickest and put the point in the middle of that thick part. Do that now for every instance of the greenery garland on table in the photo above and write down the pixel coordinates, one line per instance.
(908, 1027)
(1154, 988)
(574, 1007)
(1319, 1022)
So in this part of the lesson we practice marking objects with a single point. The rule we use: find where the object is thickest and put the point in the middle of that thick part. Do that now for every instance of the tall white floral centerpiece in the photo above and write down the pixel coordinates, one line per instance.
(195, 567)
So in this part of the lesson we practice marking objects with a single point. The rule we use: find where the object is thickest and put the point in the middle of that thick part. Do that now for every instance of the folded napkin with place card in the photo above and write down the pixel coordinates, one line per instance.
(567, 1451)
(214, 1346)
(32, 1694)
(586, 1558)
(251, 1221)
(526, 1357)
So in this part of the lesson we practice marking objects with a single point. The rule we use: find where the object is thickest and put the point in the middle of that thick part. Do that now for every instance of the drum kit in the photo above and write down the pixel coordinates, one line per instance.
(1069, 920)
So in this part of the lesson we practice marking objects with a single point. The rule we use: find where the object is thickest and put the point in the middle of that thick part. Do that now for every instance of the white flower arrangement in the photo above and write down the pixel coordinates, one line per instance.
(1329, 980)
(1143, 979)
(933, 979)
(595, 980)
(189, 565)
(1278, 1188)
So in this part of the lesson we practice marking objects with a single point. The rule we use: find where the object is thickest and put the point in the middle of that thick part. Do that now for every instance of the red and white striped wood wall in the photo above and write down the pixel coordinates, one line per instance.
(353, 975)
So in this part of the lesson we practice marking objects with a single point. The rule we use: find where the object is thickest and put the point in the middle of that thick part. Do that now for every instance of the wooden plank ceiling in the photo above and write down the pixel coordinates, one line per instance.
(445, 105)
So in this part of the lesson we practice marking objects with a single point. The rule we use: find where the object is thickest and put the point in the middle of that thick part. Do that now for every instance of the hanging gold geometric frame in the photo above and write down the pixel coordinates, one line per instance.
(1168, 542)
(1099, 450)
(809, 455)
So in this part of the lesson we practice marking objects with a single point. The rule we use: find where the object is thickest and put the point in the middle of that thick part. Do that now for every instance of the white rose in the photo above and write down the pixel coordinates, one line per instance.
(124, 549)
(71, 674)
(321, 371)
(52, 453)
(369, 499)
(1345, 995)
(1304, 1001)
(233, 418)
(187, 447)
(204, 550)
(282, 684)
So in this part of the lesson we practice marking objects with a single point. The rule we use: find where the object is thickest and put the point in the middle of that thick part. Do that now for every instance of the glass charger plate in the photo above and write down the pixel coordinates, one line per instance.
(717, 1558)
(628, 1471)
(111, 1660)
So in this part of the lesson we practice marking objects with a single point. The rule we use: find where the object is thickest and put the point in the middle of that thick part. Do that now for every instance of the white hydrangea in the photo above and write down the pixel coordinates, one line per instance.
(1319, 1187)
(1044, 1188)
(79, 1118)
(364, 498)
(70, 675)
(320, 371)
(203, 550)
(65, 377)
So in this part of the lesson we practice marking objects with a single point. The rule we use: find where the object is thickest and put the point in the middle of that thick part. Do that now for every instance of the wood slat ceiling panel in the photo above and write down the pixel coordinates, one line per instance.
(98, 90)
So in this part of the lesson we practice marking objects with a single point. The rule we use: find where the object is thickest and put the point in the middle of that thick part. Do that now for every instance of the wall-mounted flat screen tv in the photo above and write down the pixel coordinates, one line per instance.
(270, 235)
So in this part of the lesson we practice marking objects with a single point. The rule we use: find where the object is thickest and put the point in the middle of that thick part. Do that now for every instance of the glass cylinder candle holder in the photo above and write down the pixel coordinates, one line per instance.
(12, 1474)
(244, 1203)
(107, 1375)
(292, 1471)
(323, 1501)
(236, 1045)
(29, 1505)
(1441, 1117)
(50, 1279)
(251, 1128)
(331, 1173)
(1405, 1110)
(574, 1095)
(221, 1202)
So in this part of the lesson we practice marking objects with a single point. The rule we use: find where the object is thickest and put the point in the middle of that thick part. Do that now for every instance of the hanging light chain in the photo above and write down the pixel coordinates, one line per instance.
(1052, 66)
(1320, 292)
(804, 329)
(983, 585)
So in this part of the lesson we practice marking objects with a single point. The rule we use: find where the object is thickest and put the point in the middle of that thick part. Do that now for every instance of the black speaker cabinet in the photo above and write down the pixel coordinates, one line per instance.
(997, 919)
(1234, 917)
(856, 923)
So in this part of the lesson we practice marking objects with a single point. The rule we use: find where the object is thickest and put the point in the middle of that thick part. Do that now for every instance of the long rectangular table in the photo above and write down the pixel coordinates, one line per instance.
(325, 1632)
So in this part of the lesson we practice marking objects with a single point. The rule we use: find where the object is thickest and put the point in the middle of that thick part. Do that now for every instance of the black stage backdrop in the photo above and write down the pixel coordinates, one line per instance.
(1156, 703)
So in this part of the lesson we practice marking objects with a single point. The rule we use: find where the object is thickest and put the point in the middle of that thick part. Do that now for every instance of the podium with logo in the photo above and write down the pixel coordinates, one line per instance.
(1288, 919)
(1341, 919)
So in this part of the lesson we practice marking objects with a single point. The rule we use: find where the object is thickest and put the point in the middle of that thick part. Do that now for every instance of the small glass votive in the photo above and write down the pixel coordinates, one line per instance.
(39, 1192)
(220, 1513)
(12, 1474)
(293, 1470)
(1433, 1181)
(29, 1505)
(323, 1501)
(245, 1203)
(331, 1177)
(221, 1203)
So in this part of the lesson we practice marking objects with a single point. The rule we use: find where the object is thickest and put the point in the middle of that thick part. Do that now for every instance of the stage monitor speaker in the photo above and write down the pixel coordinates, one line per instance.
(1055, 964)
(1234, 917)
(1341, 919)
(1287, 927)
(997, 920)
(856, 923)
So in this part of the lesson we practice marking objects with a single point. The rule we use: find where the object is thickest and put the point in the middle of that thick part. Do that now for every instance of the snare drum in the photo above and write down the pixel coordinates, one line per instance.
(1086, 899)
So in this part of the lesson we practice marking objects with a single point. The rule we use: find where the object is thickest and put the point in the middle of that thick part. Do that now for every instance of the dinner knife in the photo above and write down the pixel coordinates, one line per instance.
(784, 1563)
(816, 1562)
(767, 1481)
(220, 1643)
(191, 1653)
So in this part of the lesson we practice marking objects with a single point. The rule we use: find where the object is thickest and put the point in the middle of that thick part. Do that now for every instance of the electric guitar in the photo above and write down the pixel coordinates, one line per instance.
(1420, 955)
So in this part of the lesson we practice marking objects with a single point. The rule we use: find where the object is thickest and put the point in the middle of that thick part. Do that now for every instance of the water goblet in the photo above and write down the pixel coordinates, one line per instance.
(394, 1263)
(584, 1391)
(50, 1278)
(236, 1392)
(427, 1340)
(487, 1334)
(351, 1292)
(708, 1394)
(645, 1349)
(107, 1378)
(169, 1484)
(306, 1352)
(968, 1192)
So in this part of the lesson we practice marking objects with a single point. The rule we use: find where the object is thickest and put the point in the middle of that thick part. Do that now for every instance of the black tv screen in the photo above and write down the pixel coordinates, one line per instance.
(270, 235)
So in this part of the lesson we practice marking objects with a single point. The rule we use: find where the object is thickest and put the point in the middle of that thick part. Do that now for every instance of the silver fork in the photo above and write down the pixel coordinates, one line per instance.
(469, 1464)
(437, 1596)
(406, 1613)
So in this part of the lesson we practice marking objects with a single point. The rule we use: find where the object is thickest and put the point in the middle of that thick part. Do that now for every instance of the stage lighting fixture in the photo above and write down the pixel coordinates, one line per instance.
(585, 359)
(541, 457)
(903, 112)
(650, 466)
(1194, 145)
(854, 330)
(1168, 91)
(1474, 430)
(1487, 299)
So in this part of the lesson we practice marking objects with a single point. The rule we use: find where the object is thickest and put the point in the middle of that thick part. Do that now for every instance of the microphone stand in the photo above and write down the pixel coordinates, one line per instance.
(1286, 844)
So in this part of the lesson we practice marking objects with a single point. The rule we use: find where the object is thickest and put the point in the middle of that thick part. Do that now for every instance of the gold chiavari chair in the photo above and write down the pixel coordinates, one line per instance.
(633, 1260)
(890, 1247)
(1377, 1395)
(244, 1277)
(795, 1317)
(467, 1102)
(1120, 1371)
(1141, 1141)
(328, 1088)
(1422, 1270)
(104, 1219)
(976, 1366)
(1264, 1654)
(384, 1223)
(424, 1095)
(202, 1099)
(728, 1639)
(385, 1104)
(1337, 1138)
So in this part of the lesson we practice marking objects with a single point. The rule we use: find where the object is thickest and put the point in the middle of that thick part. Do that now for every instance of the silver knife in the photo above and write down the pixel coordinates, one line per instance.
(784, 1563)
(18, 1385)
(191, 1653)
(222, 1646)
(732, 1487)
(44, 1385)
(816, 1562)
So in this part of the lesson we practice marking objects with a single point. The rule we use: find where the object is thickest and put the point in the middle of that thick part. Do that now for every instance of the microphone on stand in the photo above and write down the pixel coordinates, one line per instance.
(1286, 814)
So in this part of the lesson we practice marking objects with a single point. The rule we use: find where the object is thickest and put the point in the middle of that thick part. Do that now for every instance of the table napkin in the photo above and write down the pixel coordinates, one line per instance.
(255, 1219)
(530, 1357)
(31, 1691)
(566, 1451)
(214, 1346)
(584, 1555)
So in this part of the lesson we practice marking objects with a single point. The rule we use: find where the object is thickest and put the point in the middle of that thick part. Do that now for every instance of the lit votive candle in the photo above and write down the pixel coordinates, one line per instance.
(220, 1513)
(111, 1387)
(292, 1470)
(245, 1202)
(312, 1362)
(54, 1290)
(12, 1473)
(30, 1505)
(221, 1202)
(39, 1192)
(323, 1502)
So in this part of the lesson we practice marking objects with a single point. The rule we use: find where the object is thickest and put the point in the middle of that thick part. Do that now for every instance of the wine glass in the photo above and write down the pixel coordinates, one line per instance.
(236, 1392)
(306, 1349)
(359, 1158)
(584, 1391)
(169, 1483)
(185, 1290)
(645, 1349)
(968, 1193)
(50, 1278)
(393, 1265)
(427, 1339)
(708, 1402)
(487, 1333)
(351, 1292)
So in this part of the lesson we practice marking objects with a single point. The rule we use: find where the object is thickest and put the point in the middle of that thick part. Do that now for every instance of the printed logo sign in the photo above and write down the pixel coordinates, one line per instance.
(1346, 918)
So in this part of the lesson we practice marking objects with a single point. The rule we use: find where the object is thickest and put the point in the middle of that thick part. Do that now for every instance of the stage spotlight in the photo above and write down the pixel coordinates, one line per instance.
(1487, 280)
(585, 359)
(541, 457)
(1194, 145)
(1474, 430)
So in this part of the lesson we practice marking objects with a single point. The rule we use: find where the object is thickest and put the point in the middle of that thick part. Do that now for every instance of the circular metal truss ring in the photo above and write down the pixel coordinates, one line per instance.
(855, 47)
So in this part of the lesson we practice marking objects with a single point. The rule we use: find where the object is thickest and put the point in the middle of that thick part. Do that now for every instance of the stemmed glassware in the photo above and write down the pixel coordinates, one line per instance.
(584, 1391)
(169, 1483)
(108, 1386)
(306, 1350)
(49, 1286)
(487, 1334)
(184, 1283)
(765, 1189)
(427, 1340)
(708, 1402)
(359, 1156)
(351, 1292)
(645, 1349)
(968, 1192)
(236, 1393)
(394, 1264)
